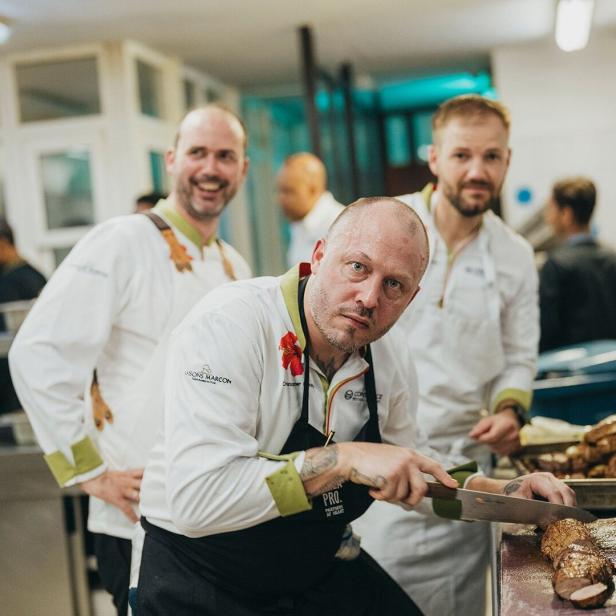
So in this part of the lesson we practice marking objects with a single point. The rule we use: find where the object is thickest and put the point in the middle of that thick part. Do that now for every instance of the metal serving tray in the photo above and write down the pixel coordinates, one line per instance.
(596, 494)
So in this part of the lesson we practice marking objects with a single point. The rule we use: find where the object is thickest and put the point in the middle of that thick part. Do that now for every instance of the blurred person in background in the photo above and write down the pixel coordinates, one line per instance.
(18, 281)
(306, 202)
(577, 283)
(88, 362)
(144, 203)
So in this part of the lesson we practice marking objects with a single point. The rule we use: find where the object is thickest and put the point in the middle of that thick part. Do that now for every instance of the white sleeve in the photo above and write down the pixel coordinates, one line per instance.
(215, 481)
(520, 339)
(54, 353)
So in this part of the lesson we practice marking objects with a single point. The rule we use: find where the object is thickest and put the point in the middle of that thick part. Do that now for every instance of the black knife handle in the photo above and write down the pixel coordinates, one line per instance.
(438, 490)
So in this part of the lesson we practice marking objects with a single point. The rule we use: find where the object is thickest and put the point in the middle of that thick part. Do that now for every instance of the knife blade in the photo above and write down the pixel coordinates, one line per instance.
(500, 508)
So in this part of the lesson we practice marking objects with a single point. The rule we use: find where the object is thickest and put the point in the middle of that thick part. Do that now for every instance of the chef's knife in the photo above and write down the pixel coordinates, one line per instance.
(500, 508)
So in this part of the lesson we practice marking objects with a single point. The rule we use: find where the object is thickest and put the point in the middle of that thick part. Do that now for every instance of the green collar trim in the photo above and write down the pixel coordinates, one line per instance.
(166, 208)
(426, 194)
(288, 285)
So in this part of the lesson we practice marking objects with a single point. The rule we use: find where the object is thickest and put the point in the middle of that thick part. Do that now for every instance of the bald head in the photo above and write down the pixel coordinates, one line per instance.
(301, 181)
(386, 213)
(215, 112)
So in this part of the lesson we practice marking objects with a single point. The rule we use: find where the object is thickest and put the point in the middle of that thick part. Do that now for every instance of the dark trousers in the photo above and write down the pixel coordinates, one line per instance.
(113, 559)
(170, 584)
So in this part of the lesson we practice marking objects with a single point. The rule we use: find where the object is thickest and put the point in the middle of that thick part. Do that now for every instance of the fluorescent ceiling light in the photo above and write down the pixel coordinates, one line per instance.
(573, 19)
(5, 30)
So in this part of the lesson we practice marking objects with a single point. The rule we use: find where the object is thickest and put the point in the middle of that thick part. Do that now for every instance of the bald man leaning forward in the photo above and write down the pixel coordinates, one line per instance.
(288, 409)
(306, 202)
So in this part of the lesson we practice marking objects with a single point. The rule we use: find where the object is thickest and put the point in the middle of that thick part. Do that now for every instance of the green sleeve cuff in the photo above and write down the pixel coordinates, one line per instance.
(452, 509)
(86, 458)
(521, 396)
(286, 486)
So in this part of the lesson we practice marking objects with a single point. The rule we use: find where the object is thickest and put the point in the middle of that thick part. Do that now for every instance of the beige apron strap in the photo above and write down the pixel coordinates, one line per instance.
(100, 409)
(177, 252)
(226, 263)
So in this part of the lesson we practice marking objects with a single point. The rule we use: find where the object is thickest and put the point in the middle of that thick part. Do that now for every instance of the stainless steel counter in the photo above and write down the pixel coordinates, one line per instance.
(42, 555)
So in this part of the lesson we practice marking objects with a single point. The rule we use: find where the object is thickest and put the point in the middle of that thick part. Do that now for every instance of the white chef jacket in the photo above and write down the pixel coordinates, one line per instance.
(109, 306)
(473, 332)
(229, 397)
(306, 232)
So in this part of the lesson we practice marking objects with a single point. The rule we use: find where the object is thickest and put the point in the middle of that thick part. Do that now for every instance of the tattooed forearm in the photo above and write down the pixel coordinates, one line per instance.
(374, 482)
(318, 461)
(512, 486)
(321, 473)
(317, 470)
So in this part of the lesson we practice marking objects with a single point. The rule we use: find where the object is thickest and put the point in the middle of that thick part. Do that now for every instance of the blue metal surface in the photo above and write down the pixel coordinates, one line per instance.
(598, 356)
(577, 383)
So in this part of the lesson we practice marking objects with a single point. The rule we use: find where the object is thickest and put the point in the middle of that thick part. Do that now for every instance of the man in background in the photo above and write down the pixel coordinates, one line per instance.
(18, 281)
(144, 203)
(577, 284)
(102, 324)
(473, 332)
(306, 202)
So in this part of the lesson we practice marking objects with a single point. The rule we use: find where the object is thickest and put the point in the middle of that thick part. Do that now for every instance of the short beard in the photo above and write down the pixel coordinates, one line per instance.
(185, 202)
(318, 299)
(463, 208)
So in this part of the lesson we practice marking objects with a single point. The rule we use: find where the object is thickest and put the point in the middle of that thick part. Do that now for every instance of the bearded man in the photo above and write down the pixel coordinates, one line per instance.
(473, 333)
(88, 361)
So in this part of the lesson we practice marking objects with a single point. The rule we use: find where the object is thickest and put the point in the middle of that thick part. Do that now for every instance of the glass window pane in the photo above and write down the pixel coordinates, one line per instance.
(53, 90)
(160, 181)
(398, 151)
(59, 254)
(150, 89)
(422, 134)
(190, 94)
(67, 189)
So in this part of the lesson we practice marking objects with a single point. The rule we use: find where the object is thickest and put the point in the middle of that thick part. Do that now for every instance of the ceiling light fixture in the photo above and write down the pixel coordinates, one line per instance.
(573, 20)
(5, 30)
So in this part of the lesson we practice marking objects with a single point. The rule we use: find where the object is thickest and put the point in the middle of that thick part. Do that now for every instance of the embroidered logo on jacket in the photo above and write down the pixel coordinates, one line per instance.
(359, 396)
(291, 354)
(205, 375)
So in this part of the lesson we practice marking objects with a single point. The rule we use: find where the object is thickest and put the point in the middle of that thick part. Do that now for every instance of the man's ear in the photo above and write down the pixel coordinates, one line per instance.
(169, 159)
(318, 253)
(432, 159)
(246, 166)
(568, 216)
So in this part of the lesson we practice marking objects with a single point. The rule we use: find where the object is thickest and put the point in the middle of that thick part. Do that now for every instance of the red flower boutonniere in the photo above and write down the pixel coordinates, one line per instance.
(291, 354)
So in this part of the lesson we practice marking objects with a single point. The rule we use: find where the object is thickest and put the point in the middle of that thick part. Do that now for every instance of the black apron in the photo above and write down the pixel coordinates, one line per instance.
(281, 566)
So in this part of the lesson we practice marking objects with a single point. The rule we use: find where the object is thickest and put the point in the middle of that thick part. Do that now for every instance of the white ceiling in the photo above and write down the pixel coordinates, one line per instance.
(252, 43)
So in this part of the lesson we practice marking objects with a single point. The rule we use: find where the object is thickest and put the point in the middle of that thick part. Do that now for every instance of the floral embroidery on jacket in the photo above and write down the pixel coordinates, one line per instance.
(291, 354)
